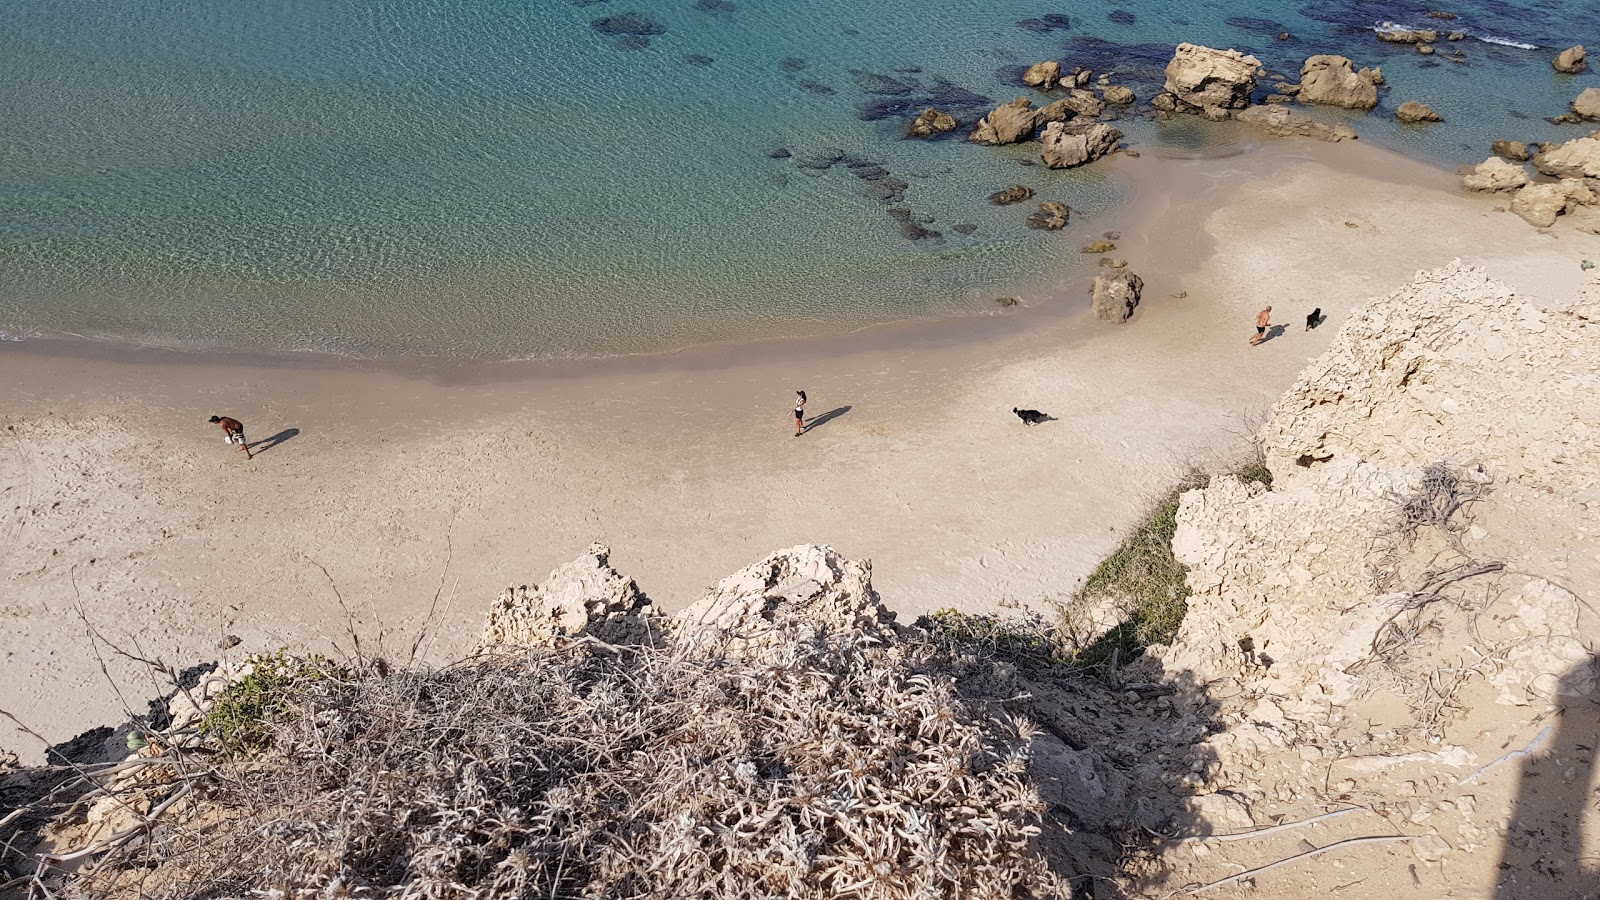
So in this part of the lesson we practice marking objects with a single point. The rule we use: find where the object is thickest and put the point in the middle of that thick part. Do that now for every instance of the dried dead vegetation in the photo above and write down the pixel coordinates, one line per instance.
(820, 766)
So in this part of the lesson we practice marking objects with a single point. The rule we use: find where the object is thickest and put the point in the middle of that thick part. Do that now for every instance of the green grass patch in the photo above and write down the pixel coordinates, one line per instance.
(240, 721)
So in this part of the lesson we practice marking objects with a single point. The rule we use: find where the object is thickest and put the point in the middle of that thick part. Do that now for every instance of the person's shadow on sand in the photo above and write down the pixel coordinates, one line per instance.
(266, 444)
(1274, 331)
(1545, 845)
(824, 418)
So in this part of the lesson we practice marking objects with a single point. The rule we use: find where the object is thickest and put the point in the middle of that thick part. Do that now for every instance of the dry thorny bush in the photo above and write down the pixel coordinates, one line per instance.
(817, 766)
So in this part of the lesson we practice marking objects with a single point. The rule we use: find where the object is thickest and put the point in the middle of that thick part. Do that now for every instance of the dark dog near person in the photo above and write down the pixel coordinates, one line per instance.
(1030, 416)
(1314, 319)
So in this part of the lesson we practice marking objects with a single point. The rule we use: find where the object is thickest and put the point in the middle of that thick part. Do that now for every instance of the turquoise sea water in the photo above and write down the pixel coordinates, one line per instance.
(497, 179)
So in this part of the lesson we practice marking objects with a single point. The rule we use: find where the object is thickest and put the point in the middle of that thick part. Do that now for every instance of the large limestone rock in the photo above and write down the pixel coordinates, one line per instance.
(1587, 105)
(1578, 158)
(1493, 175)
(1116, 296)
(1453, 360)
(1540, 204)
(1008, 123)
(1571, 60)
(1283, 123)
(1065, 146)
(1043, 76)
(1210, 79)
(1413, 111)
(1119, 95)
(1333, 81)
(808, 586)
(585, 596)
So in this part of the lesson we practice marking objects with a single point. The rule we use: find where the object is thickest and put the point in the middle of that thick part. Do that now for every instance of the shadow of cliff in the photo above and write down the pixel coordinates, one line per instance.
(1545, 854)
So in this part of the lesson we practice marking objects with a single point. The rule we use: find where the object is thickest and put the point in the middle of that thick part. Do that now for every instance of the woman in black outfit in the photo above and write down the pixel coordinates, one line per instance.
(799, 412)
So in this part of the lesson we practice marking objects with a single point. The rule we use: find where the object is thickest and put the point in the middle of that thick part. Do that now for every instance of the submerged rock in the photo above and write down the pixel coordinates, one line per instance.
(1052, 216)
(1116, 93)
(1013, 194)
(1281, 122)
(1066, 146)
(1512, 150)
(1209, 79)
(628, 23)
(1333, 81)
(1099, 247)
(1116, 295)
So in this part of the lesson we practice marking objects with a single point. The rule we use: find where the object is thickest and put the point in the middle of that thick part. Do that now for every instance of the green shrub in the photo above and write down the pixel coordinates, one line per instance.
(240, 721)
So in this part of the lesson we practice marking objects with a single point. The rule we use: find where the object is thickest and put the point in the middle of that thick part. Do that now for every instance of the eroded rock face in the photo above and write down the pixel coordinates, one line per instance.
(1541, 204)
(1587, 105)
(1492, 175)
(585, 596)
(1516, 151)
(1210, 79)
(806, 585)
(1283, 123)
(1067, 145)
(1008, 123)
(1578, 158)
(1413, 111)
(1333, 81)
(1116, 295)
(1571, 60)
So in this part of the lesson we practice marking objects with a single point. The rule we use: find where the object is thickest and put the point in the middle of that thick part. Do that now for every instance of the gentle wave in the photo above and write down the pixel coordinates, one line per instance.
(1507, 42)
(1387, 27)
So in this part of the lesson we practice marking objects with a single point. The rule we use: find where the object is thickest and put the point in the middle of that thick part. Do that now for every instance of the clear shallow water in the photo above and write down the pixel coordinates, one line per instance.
(493, 179)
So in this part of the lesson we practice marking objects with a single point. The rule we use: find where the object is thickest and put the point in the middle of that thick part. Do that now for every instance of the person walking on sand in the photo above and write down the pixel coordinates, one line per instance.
(799, 412)
(232, 432)
(1263, 319)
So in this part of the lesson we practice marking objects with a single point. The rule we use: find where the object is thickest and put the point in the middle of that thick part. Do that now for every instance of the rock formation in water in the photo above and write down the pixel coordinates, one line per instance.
(1413, 111)
(1211, 81)
(1278, 121)
(1587, 105)
(1333, 81)
(1571, 61)
(1008, 123)
(1044, 75)
(1067, 145)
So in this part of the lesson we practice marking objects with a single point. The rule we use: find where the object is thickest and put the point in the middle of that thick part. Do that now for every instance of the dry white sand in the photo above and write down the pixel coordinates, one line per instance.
(120, 501)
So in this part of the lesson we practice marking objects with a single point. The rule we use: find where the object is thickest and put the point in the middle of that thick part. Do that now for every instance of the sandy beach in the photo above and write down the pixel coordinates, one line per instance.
(387, 493)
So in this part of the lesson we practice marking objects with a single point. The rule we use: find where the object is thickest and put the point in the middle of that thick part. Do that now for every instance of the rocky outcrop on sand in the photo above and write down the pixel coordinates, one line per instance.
(1571, 61)
(1541, 204)
(585, 596)
(805, 585)
(1333, 81)
(1116, 296)
(1065, 145)
(1279, 121)
(1209, 80)
(1413, 111)
(1009, 123)
(1492, 175)
(1587, 105)
(1577, 158)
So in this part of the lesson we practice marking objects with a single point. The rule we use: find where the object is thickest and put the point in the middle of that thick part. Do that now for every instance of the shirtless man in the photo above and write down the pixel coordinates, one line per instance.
(232, 432)
(1263, 319)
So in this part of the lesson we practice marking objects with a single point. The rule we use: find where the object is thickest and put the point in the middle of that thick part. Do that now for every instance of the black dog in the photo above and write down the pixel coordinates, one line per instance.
(1030, 416)
(1314, 319)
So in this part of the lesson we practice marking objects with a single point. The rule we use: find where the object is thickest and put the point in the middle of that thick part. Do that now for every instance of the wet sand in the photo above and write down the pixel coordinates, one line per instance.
(388, 487)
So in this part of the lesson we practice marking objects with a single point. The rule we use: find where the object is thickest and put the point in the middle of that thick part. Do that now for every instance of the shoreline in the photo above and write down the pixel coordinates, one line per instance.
(399, 486)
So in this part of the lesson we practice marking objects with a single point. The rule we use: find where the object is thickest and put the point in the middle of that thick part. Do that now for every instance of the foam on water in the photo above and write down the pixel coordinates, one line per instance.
(513, 178)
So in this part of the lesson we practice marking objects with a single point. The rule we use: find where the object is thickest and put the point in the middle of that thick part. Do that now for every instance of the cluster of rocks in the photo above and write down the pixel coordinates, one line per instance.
(1573, 189)
(881, 185)
(1065, 143)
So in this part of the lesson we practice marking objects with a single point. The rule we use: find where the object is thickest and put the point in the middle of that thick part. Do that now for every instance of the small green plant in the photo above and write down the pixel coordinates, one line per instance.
(1027, 640)
(241, 718)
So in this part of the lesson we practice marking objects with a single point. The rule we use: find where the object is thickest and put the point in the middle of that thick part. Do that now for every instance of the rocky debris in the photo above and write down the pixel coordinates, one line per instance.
(1052, 216)
(1013, 194)
(1118, 95)
(583, 597)
(1107, 262)
(1571, 60)
(1516, 151)
(931, 122)
(1211, 80)
(1541, 204)
(1333, 81)
(1080, 102)
(1066, 146)
(1577, 158)
(1397, 34)
(1099, 247)
(1492, 175)
(1116, 296)
(807, 585)
(1044, 75)
(1281, 122)
(1414, 111)
(1587, 105)
(1425, 49)
(1008, 123)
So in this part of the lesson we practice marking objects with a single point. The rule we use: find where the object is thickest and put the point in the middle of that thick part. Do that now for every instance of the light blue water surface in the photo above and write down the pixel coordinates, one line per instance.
(491, 179)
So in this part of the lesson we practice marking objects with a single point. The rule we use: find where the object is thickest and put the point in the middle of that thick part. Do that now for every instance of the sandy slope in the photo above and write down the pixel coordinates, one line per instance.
(119, 500)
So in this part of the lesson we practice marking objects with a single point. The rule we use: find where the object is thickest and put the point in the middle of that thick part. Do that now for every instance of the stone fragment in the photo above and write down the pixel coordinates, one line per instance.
(1413, 111)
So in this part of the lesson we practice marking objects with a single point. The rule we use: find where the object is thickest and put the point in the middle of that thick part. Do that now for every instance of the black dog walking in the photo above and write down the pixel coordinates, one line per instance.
(1030, 416)
(1314, 319)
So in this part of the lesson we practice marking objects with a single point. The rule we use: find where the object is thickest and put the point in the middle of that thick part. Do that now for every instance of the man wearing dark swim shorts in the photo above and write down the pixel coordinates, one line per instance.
(1263, 319)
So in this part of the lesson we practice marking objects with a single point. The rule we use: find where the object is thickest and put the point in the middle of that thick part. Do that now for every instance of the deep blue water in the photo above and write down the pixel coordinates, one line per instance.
(500, 179)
